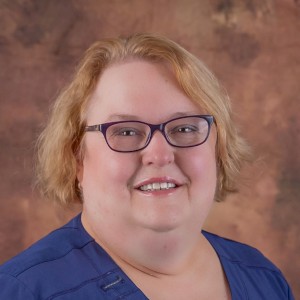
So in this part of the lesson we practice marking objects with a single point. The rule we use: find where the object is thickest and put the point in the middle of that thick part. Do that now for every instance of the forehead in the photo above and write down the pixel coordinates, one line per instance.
(140, 88)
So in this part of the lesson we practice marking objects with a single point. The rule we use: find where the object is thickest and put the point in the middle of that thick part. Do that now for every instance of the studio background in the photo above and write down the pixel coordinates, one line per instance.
(253, 47)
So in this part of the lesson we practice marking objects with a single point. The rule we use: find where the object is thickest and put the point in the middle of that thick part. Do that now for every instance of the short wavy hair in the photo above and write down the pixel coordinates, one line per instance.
(59, 147)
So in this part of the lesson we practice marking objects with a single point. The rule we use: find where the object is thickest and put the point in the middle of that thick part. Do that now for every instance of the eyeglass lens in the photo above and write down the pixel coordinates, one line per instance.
(134, 135)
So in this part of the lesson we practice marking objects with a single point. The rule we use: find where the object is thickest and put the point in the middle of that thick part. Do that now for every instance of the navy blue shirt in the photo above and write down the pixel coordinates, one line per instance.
(68, 264)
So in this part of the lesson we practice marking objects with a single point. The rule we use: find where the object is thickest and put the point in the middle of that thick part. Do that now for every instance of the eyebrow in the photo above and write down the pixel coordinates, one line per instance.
(121, 117)
(125, 117)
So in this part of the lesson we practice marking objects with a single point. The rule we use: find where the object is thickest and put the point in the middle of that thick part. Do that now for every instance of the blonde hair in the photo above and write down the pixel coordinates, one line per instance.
(59, 146)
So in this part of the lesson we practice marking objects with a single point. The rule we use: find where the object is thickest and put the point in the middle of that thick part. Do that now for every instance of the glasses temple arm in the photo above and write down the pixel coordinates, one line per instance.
(93, 128)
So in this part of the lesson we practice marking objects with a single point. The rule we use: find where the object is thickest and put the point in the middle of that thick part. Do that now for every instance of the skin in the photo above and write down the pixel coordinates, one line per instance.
(153, 236)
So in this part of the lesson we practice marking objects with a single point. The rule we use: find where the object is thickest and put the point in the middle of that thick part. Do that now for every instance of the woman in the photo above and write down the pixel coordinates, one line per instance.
(143, 138)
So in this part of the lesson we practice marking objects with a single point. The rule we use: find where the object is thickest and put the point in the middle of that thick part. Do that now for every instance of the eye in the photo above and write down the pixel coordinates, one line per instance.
(184, 129)
(187, 129)
(126, 132)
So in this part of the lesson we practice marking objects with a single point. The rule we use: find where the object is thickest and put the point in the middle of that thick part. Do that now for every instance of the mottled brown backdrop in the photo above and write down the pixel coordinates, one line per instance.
(253, 46)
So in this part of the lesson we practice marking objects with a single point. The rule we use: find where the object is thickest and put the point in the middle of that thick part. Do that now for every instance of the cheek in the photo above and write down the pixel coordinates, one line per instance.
(106, 171)
(204, 168)
(200, 168)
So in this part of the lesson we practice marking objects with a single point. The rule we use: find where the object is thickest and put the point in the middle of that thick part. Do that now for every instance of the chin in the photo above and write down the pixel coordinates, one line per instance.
(163, 225)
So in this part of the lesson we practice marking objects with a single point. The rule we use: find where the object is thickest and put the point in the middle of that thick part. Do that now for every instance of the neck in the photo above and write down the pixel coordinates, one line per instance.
(152, 252)
(160, 254)
(163, 264)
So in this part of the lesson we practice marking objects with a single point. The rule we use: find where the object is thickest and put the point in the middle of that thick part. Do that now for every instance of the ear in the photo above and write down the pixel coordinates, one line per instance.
(79, 171)
(79, 166)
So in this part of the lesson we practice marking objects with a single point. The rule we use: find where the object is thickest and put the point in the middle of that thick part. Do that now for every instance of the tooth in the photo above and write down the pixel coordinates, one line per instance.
(164, 185)
(156, 186)
(171, 185)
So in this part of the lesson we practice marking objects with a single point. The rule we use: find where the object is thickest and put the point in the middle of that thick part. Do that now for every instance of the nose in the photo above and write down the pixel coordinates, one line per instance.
(158, 152)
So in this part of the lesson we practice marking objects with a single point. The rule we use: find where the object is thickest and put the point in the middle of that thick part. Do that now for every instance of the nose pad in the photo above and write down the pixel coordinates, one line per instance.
(159, 152)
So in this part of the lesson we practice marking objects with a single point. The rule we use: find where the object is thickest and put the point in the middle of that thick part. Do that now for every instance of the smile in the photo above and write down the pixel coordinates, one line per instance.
(157, 186)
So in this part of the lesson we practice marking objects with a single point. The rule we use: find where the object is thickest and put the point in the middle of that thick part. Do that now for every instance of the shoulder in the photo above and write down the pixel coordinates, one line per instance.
(54, 263)
(52, 247)
(248, 271)
(239, 252)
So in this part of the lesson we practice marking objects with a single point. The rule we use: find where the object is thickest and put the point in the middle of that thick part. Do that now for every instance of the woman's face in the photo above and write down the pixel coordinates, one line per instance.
(114, 207)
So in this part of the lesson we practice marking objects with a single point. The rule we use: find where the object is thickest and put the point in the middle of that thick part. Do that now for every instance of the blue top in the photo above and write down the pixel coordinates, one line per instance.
(68, 264)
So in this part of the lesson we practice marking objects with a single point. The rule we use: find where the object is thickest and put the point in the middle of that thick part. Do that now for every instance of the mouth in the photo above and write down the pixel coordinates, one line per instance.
(157, 186)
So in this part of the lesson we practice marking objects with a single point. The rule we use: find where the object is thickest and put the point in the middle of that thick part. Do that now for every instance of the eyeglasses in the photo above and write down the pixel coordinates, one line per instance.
(131, 136)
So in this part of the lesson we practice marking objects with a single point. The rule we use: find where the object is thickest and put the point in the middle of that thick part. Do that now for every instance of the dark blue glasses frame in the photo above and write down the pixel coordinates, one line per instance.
(153, 127)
